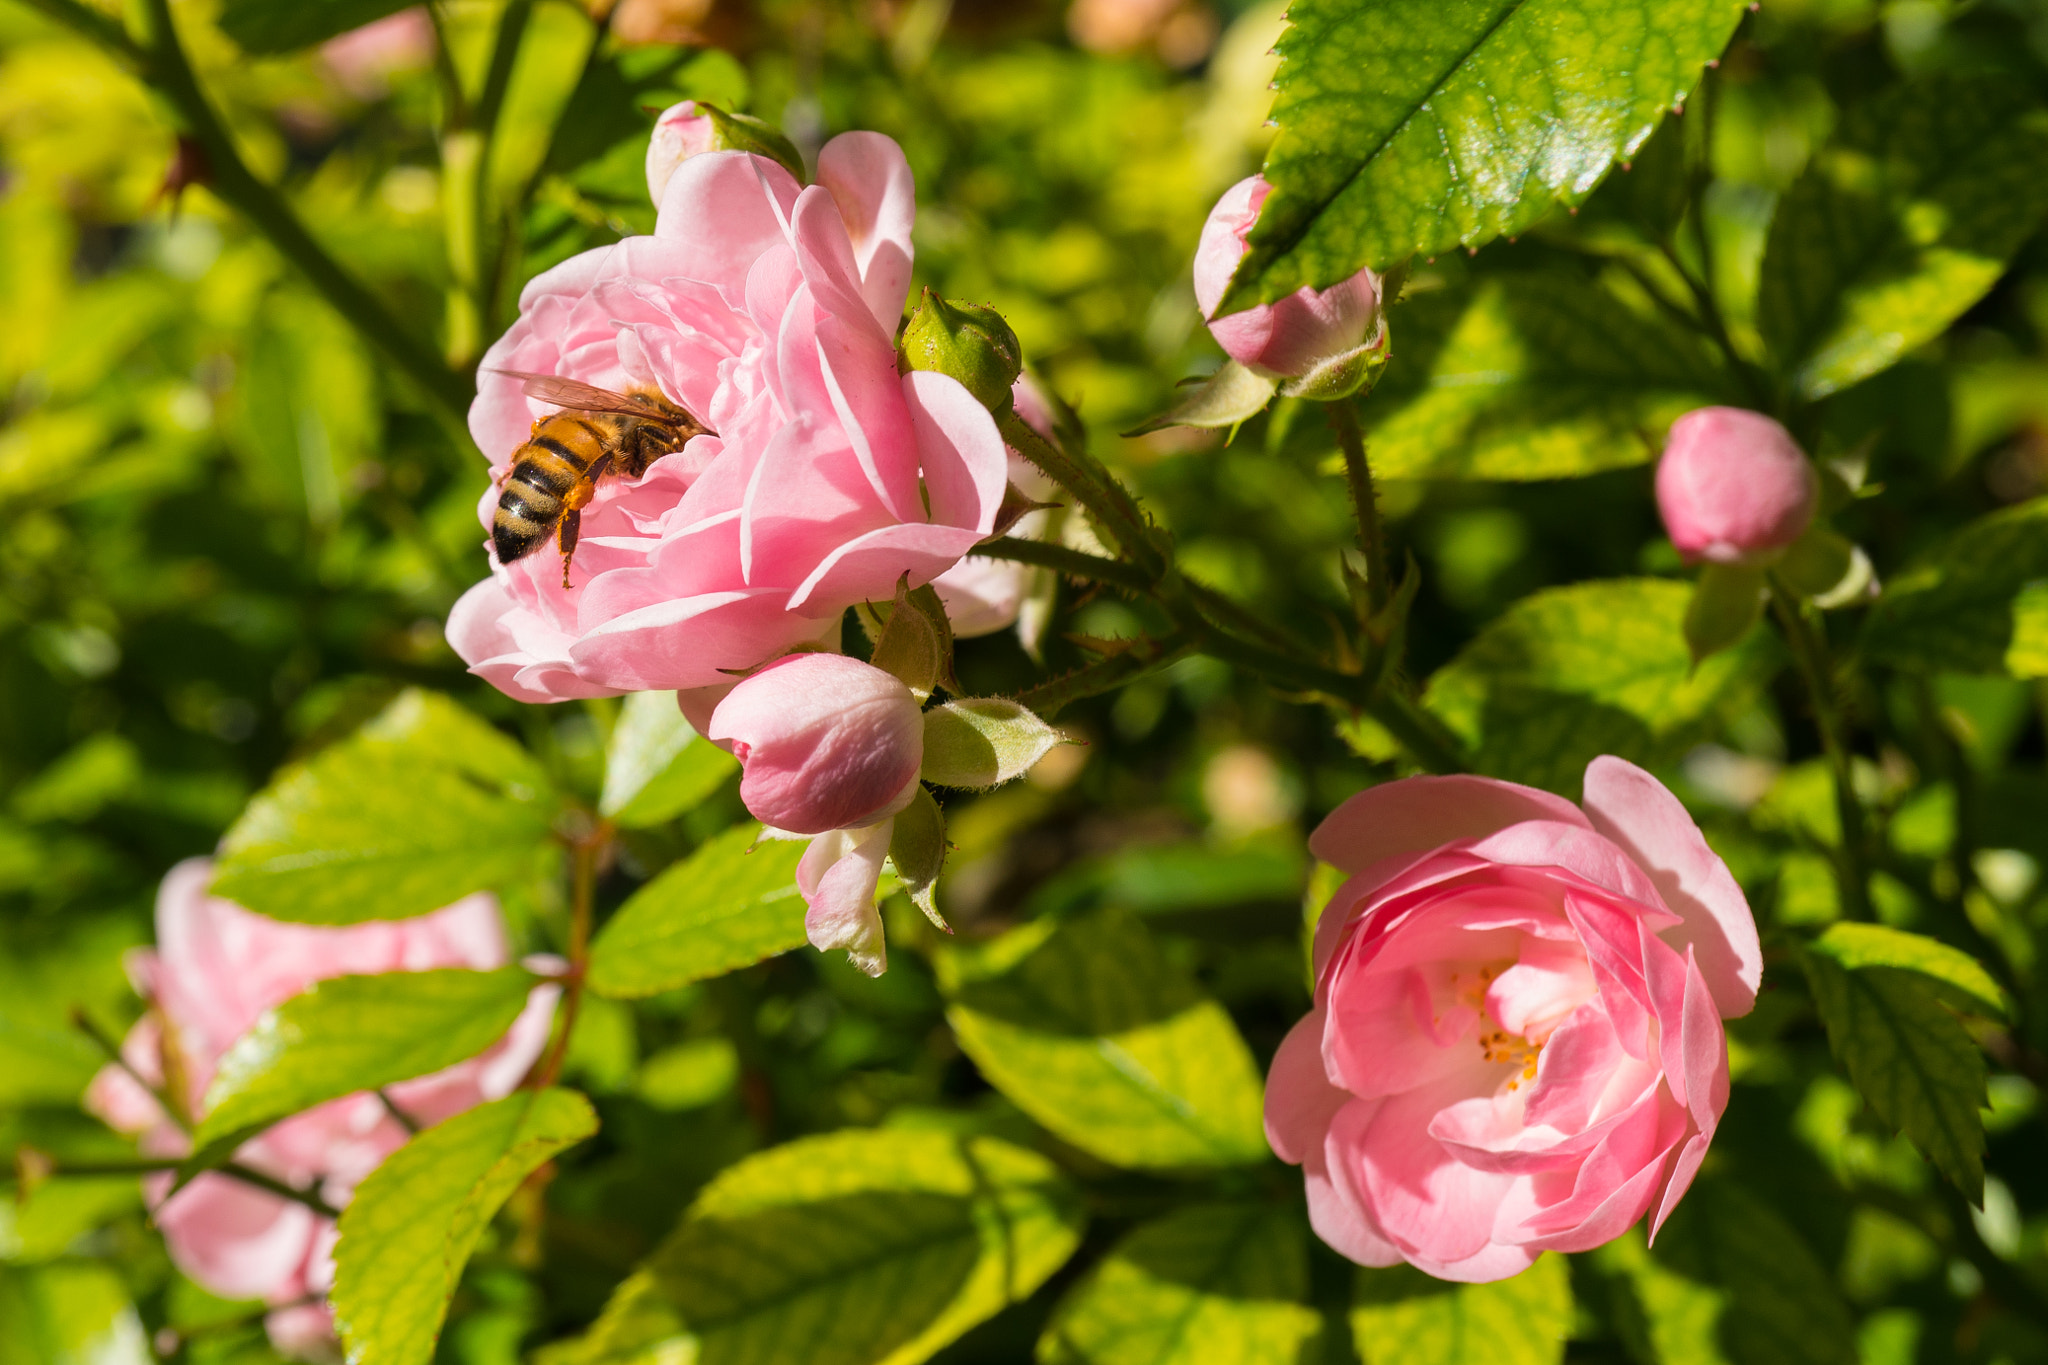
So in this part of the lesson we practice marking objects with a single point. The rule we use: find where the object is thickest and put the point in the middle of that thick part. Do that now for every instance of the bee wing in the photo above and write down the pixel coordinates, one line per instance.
(574, 393)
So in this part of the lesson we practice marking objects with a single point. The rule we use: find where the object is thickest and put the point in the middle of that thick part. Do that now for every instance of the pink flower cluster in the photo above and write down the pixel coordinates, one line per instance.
(768, 311)
(1516, 1044)
(215, 970)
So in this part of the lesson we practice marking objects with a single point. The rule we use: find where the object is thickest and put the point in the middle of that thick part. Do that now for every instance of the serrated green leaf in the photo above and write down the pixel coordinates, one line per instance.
(720, 909)
(409, 1231)
(1400, 1316)
(1214, 1284)
(423, 806)
(353, 1033)
(1529, 376)
(1911, 1058)
(854, 1248)
(656, 767)
(1411, 126)
(1950, 970)
(1965, 606)
(1731, 1282)
(1087, 1026)
(1595, 668)
(1901, 223)
(270, 26)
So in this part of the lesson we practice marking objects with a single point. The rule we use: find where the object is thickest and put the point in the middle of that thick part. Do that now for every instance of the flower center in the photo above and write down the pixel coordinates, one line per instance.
(1498, 1045)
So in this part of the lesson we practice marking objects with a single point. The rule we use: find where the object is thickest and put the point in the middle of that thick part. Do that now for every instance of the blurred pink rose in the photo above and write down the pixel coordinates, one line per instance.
(1516, 1044)
(215, 970)
(1296, 334)
(827, 742)
(983, 596)
(769, 312)
(363, 60)
(1733, 486)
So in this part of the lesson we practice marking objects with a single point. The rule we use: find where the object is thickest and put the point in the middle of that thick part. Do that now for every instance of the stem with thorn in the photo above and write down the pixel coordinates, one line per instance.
(1810, 651)
(584, 853)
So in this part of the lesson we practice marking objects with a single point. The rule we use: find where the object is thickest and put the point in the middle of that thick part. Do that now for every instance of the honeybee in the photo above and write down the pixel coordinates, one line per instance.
(598, 434)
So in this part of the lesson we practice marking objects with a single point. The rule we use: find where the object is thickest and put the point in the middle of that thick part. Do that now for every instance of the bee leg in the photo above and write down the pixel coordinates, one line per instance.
(572, 522)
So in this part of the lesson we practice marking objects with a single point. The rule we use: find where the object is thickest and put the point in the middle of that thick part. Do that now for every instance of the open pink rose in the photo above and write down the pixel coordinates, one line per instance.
(215, 970)
(1733, 486)
(1516, 1044)
(1298, 333)
(768, 311)
(826, 742)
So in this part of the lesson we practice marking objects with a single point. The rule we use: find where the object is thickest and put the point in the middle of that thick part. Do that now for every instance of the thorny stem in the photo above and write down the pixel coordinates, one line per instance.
(1145, 655)
(1093, 486)
(234, 1170)
(161, 63)
(584, 853)
(1810, 652)
(1060, 559)
(1364, 501)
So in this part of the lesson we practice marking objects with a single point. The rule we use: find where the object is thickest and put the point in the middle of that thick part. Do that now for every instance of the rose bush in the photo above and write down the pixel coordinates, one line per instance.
(1516, 1044)
(215, 970)
(767, 310)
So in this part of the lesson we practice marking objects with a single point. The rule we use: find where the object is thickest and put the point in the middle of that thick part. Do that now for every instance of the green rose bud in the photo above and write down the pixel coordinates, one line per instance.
(969, 342)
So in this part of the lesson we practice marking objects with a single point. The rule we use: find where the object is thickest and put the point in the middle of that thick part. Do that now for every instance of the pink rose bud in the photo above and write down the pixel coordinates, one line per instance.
(827, 742)
(1301, 331)
(1733, 486)
(1516, 1045)
(682, 131)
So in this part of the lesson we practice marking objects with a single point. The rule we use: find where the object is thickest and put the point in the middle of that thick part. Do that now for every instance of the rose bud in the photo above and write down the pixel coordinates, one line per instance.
(1302, 332)
(827, 742)
(969, 342)
(1734, 487)
(690, 128)
(1516, 1044)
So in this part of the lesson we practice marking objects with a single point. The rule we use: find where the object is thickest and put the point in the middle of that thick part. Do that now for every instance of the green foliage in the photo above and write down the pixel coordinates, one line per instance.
(1961, 607)
(412, 1225)
(1598, 668)
(421, 807)
(854, 1248)
(1215, 1282)
(1530, 376)
(1412, 126)
(731, 903)
(655, 767)
(1094, 1033)
(1403, 1317)
(1901, 223)
(982, 742)
(267, 26)
(1951, 972)
(68, 1314)
(1910, 1056)
(354, 1033)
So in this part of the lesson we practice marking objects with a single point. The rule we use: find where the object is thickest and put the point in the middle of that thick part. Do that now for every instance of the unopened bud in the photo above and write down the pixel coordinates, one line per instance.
(693, 127)
(1733, 487)
(827, 742)
(1299, 335)
(969, 342)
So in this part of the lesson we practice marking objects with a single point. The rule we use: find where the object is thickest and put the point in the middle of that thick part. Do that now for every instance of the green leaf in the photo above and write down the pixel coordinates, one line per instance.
(69, 1313)
(1901, 223)
(2027, 655)
(408, 1232)
(1727, 602)
(720, 909)
(41, 1065)
(1595, 668)
(1911, 1058)
(354, 1033)
(656, 767)
(423, 806)
(1094, 1033)
(1229, 396)
(267, 26)
(1526, 376)
(1411, 126)
(1204, 1285)
(1733, 1283)
(1965, 607)
(983, 741)
(871, 1247)
(1951, 971)
(1400, 1316)
(917, 850)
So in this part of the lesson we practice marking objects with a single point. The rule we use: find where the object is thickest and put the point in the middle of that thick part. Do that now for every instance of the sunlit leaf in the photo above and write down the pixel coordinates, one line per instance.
(1400, 1316)
(1973, 603)
(656, 767)
(1950, 971)
(720, 909)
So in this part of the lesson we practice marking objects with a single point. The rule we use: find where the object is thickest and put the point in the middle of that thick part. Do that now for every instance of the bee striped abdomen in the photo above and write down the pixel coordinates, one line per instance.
(543, 471)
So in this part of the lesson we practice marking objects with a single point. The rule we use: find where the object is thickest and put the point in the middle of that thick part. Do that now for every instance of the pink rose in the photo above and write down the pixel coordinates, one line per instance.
(1516, 1044)
(827, 742)
(215, 970)
(1300, 332)
(1733, 486)
(768, 311)
(682, 131)
(983, 596)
